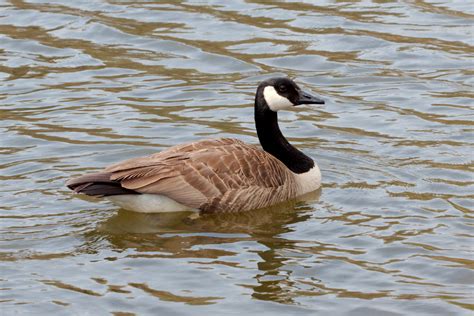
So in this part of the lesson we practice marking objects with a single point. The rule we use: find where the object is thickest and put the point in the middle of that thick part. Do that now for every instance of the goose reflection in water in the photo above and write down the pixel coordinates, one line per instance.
(183, 235)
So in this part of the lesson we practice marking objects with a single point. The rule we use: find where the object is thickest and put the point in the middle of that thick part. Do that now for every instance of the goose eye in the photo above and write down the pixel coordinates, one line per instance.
(282, 88)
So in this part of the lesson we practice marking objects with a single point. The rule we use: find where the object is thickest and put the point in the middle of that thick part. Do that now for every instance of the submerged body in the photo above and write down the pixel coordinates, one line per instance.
(217, 175)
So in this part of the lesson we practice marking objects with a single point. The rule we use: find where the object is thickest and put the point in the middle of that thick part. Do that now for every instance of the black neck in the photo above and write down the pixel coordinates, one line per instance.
(273, 141)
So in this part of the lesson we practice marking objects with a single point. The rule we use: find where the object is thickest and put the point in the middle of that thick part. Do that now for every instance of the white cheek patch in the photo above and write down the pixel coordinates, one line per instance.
(275, 101)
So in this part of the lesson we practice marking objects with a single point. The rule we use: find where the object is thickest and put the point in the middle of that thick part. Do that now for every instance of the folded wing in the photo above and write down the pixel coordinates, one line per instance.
(221, 174)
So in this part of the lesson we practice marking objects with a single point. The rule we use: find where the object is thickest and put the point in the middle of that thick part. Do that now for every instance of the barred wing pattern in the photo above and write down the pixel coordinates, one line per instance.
(220, 174)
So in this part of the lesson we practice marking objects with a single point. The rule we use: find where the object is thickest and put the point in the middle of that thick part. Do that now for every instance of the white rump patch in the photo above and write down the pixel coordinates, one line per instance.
(308, 181)
(275, 101)
(148, 203)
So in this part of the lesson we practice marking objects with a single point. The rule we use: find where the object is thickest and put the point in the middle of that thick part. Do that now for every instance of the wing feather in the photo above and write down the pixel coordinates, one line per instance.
(224, 174)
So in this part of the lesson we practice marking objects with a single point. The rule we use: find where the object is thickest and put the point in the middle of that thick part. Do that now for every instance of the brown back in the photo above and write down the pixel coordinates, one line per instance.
(212, 175)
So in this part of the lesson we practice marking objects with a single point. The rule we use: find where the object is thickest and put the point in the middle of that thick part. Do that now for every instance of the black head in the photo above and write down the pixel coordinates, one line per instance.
(283, 93)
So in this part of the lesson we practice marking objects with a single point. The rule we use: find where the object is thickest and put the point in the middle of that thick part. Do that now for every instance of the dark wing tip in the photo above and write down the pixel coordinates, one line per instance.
(97, 184)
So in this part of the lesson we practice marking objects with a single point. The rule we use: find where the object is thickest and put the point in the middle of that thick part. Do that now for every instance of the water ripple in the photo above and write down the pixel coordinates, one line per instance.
(85, 84)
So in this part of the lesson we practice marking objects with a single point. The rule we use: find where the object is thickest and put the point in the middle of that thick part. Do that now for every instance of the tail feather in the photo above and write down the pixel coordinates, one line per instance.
(97, 184)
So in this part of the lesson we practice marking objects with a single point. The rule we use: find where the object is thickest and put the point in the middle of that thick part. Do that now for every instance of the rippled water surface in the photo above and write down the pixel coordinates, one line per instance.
(84, 84)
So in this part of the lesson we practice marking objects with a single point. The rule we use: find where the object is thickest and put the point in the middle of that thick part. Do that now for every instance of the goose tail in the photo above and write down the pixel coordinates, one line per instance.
(97, 184)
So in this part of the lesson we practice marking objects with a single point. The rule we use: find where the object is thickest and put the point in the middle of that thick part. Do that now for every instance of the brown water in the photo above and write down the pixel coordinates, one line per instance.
(84, 84)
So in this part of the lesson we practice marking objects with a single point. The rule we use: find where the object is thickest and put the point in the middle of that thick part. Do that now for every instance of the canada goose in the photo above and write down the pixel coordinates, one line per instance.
(216, 175)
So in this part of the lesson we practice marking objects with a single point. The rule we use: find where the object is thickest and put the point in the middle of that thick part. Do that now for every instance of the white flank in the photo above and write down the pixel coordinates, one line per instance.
(148, 203)
(275, 101)
(308, 181)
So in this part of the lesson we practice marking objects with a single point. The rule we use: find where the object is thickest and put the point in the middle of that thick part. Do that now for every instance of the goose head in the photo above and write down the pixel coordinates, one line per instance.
(281, 94)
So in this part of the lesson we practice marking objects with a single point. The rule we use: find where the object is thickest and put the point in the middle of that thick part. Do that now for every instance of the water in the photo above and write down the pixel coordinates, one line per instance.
(84, 84)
